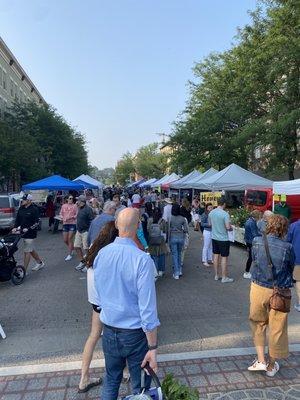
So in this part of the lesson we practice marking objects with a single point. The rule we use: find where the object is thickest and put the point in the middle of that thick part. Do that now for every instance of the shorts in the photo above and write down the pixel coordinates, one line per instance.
(28, 245)
(296, 273)
(69, 228)
(96, 308)
(221, 247)
(81, 241)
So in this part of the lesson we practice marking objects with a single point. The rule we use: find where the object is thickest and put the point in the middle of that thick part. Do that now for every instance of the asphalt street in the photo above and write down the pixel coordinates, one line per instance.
(47, 318)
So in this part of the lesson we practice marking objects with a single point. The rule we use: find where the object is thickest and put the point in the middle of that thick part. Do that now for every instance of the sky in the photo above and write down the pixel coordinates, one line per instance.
(117, 70)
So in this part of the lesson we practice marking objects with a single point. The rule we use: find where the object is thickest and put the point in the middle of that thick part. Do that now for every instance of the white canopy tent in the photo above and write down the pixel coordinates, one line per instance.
(287, 187)
(195, 182)
(185, 180)
(160, 181)
(234, 177)
(89, 179)
(172, 178)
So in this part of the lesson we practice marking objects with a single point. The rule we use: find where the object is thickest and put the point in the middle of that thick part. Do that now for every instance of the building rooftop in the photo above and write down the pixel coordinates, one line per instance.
(12, 61)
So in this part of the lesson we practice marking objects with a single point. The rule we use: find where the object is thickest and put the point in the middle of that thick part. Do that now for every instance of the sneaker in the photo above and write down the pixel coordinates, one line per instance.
(297, 307)
(38, 266)
(84, 269)
(273, 371)
(161, 274)
(175, 276)
(247, 275)
(206, 264)
(216, 278)
(180, 273)
(69, 257)
(80, 266)
(258, 366)
(227, 280)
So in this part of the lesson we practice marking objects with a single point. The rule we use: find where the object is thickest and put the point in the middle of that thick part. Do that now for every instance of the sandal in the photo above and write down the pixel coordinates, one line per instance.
(90, 385)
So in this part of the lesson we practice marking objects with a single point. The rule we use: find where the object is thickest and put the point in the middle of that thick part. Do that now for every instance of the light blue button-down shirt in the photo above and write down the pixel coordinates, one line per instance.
(124, 281)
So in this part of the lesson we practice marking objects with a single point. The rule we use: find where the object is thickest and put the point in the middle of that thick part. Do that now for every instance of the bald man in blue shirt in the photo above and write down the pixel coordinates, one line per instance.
(124, 280)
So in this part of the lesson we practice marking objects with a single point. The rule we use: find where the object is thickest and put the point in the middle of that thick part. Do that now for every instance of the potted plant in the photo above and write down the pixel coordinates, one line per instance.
(174, 390)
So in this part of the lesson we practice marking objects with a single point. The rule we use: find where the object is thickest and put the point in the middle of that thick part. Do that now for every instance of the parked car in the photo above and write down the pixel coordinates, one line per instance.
(9, 205)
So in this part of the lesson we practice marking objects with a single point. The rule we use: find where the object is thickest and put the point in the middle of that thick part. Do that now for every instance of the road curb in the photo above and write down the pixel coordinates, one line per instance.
(99, 363)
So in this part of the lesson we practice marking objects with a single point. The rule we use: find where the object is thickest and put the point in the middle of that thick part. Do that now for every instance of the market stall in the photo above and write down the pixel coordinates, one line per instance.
(194, 183)
(184, 182)
(148, 183)
(233, 178)
(88, 179)
(166, 184)
(289, 192)
(54, 182)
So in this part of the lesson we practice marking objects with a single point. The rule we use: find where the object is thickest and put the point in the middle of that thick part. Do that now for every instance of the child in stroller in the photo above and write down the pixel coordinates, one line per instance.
(9, 270)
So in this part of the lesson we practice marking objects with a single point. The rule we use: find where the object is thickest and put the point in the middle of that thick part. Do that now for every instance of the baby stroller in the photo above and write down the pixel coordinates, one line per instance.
(9, 270)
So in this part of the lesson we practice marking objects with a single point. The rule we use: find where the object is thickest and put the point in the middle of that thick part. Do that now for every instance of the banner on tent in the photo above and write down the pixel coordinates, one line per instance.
(210, 197)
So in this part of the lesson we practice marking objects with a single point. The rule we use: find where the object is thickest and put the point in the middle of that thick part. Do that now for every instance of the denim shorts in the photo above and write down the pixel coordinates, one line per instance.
(69, 228)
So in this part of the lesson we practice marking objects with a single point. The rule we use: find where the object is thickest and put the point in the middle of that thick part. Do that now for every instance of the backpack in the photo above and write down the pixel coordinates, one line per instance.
(155, 236)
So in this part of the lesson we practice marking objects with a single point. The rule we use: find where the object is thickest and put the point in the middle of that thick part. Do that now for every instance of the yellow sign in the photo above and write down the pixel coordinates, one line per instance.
(210, 197)
(279, 197)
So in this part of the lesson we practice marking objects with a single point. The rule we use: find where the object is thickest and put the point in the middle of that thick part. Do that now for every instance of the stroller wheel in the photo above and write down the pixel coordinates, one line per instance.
(18, 275)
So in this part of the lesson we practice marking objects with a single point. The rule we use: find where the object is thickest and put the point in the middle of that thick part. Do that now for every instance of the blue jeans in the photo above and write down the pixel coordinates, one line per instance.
(119, 347)
(160, 262)
(176, 246)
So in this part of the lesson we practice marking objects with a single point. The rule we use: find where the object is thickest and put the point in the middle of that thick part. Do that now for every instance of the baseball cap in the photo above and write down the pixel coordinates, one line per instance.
(27, 196)
(81, 198)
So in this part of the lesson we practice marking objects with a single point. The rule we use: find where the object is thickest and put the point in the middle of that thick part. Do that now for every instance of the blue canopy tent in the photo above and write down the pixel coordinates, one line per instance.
(136, 183)
(54, 182)
(86, 185)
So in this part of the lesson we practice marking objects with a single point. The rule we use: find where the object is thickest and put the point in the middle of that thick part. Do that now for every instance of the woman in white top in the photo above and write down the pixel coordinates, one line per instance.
(106, 236)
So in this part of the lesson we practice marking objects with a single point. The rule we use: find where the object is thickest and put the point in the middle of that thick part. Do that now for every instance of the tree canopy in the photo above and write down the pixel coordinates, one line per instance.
(35, 142)
(244, 106)
(147, 162)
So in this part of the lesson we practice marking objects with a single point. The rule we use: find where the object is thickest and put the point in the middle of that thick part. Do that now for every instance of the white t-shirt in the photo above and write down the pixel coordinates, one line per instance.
(136, 198)
(167, 212)
(92, 294)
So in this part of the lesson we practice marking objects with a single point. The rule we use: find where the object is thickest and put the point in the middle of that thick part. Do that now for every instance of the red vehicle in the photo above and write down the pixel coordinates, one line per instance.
(262, 199)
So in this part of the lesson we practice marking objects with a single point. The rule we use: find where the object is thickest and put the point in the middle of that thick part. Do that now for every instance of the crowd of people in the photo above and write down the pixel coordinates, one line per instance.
(122, 244)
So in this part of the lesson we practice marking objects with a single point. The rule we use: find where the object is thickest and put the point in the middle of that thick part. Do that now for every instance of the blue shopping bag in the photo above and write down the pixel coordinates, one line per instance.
(154, 393)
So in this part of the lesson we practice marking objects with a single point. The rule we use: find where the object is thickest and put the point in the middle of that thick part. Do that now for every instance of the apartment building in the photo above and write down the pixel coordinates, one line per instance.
(15, 84)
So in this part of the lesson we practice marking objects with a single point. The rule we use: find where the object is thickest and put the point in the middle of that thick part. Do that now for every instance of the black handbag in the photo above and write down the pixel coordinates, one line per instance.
(281, 297)
(154, 393)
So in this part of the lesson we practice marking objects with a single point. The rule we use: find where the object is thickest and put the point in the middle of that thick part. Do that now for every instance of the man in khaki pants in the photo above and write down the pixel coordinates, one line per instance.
(294, 238)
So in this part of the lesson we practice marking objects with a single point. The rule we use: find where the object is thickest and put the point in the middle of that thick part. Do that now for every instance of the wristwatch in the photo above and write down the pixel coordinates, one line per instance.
(153, 347)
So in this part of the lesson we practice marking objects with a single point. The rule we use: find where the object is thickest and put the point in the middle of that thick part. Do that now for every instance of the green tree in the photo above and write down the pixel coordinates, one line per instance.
(150, 162)
(40, 142)
(125, 169)
(246, 97)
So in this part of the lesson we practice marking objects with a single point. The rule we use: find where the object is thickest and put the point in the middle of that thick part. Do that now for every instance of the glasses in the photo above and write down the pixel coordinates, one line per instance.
(70, 198)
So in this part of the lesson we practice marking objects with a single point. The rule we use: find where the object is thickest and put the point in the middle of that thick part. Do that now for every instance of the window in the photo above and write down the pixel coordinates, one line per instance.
(1, 106)
(12, 88)
(256, 197)
(17, 96)
(4, 82)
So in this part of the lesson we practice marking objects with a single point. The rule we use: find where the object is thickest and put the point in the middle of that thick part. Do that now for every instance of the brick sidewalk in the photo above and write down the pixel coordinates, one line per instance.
(223, 378)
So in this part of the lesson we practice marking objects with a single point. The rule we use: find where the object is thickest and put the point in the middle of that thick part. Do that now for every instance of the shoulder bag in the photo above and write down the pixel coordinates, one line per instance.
(281, 297)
